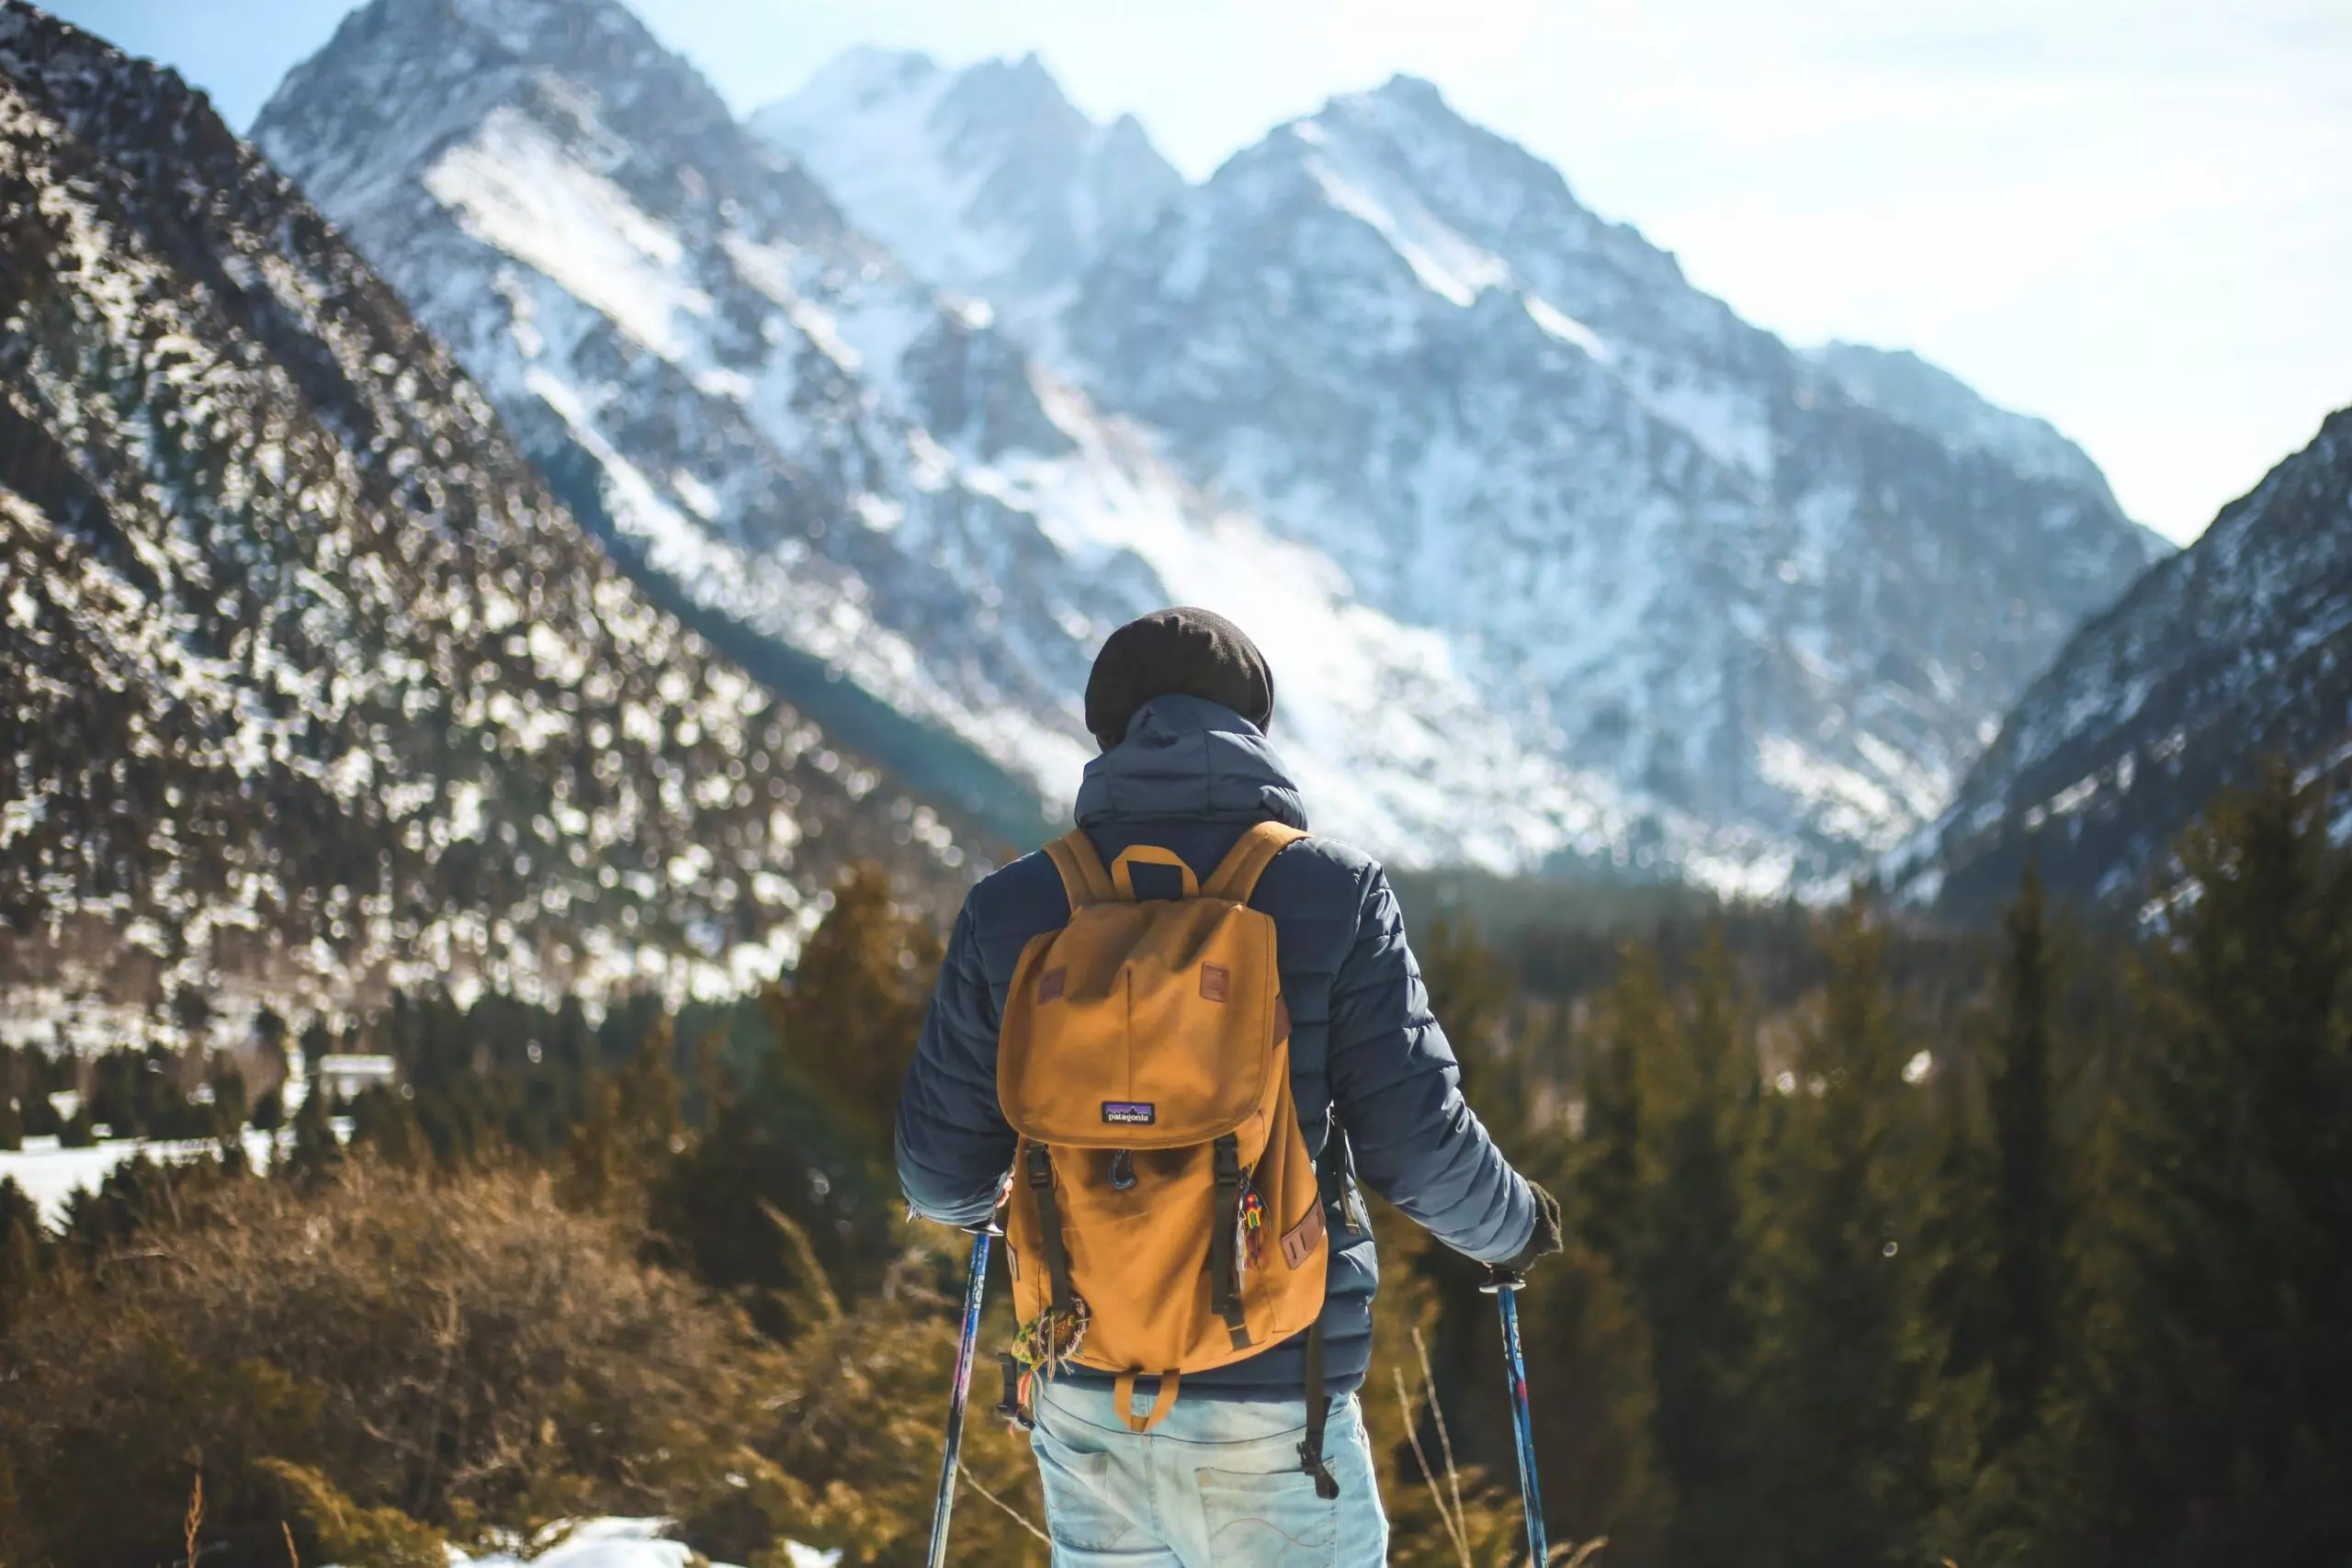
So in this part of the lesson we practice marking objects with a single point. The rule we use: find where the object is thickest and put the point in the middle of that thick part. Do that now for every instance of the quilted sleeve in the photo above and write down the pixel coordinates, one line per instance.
(1416, 1142)
(954, 1146)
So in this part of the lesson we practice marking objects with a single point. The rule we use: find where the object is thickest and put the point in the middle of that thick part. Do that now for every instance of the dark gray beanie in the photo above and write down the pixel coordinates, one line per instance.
(1196, 652)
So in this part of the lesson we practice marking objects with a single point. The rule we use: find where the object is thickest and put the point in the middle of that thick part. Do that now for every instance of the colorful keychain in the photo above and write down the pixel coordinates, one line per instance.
(1249, 1229)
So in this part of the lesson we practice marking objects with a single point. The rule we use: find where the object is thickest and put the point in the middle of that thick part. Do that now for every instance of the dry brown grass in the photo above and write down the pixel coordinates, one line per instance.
(1462, 1526)
(393, 1360)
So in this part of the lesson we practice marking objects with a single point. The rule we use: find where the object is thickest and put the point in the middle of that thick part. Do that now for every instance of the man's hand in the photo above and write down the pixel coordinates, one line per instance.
(1545, 1239)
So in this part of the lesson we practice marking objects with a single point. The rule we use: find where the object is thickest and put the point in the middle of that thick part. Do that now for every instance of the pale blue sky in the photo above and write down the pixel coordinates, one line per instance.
(2133, 217)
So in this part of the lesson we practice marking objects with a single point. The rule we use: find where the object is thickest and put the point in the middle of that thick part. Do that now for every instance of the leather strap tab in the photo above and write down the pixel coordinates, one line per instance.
(1083, 878)
(1122, 1394)
(1300, 1241)
(1236, 877)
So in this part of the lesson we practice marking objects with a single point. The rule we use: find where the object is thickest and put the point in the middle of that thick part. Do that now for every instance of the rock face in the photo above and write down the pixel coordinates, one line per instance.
(1906, 388)
(866, 489)
(2235, 652)
(310, 685)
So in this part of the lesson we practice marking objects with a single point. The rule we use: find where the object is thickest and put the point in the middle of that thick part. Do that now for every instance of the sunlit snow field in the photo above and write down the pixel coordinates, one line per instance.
(51, 1174)
(623, 1543)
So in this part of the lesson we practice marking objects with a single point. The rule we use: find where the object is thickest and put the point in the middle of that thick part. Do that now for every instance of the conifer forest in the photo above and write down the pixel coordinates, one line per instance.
(1891, 1245)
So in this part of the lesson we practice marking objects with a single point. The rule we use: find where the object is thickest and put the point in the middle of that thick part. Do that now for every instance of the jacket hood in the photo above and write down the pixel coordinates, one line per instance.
(1187, 759)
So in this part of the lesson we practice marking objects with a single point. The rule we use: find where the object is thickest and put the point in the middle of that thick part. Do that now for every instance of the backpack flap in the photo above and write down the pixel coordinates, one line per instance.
(1143, 1026)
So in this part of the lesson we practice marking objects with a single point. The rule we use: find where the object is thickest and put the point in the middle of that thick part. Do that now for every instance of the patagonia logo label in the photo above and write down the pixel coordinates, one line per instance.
(1130, 1113)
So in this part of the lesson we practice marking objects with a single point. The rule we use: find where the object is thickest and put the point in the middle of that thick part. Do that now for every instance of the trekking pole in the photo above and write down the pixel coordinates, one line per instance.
(1503, 1284)
(975, 1283)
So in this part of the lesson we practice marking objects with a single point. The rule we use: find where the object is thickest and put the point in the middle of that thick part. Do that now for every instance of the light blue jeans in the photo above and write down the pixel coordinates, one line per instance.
(1216, 1484)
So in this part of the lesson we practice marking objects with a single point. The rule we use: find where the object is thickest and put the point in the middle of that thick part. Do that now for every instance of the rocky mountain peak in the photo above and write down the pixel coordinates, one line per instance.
(985, 180)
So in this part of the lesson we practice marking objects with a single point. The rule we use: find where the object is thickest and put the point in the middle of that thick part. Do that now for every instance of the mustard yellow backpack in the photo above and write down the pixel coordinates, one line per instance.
(1165, 1215)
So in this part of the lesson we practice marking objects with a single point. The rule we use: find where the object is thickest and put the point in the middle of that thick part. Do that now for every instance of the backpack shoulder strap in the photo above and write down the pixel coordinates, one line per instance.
(1083, 878)
(1236, 877)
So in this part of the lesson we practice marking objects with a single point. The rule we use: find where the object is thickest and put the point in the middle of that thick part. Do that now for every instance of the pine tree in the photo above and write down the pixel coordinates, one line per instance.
(807, 1142)
(851, 1017)
(316, 1150)
(635, 1127)
(2213, 1422)
(20, 1250)
(1690, 1266)
(1637, 1026)
(1586, 1352)
(2027, 1213)
(1848, 1467)
(229, 1097)
(1469, 995)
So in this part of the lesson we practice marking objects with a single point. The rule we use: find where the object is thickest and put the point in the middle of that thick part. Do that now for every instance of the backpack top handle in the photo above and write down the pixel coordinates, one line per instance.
(1123, 875)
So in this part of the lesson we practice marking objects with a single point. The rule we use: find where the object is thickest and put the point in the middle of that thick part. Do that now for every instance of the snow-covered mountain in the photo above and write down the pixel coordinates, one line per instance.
(1779, 601)
(817, 454)
(1555, 557)
(309, 687)
(1722, 580)
(2236, 651)
(987, 181)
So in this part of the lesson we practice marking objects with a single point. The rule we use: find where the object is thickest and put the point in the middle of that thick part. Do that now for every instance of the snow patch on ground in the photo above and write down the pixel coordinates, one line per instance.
(618, 1542)
(50, 1174)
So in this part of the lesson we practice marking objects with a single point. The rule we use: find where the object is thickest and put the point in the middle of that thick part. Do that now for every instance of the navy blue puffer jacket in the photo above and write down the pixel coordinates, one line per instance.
(1190, 776)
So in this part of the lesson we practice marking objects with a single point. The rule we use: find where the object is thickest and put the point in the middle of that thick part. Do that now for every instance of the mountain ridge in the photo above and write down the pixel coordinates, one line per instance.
(2236, 652)
(314, 692)
(1900, 384)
